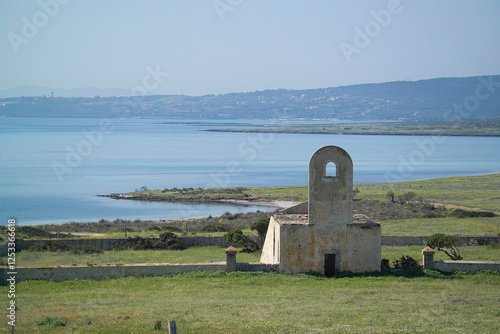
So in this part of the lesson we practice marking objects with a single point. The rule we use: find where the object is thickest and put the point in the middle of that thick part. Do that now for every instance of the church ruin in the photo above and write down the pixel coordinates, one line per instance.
(322, 235)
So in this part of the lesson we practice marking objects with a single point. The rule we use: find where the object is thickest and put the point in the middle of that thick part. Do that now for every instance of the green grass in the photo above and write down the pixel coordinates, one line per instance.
(215, 254)
(189, 255)
(469, 253)
(219, 302)
(482, 191)
(455, 226)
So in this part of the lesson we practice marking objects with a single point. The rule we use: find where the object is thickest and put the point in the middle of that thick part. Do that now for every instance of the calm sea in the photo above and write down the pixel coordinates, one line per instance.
(51, 169)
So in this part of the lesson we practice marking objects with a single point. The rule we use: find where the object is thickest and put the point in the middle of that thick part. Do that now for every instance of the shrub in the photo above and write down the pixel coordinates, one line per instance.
(35, 232)
(170, 241)
(217, 227)
(459, 213)
(406, 263)
(50, 246)
(171, 229)
(167, 240)
(86, 250)
(385, 265)
(238, 237)
(261, 227)
(54, 321)
(156, 325)
(58, 246)
(445, 243)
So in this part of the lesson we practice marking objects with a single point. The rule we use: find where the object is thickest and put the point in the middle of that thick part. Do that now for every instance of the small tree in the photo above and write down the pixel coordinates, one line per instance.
(239, 237)
(445, 243)
(390, 195)
(355, 191)
(261, 227)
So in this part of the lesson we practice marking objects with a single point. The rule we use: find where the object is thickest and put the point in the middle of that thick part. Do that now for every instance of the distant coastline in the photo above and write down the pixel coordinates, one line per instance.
(473, 128)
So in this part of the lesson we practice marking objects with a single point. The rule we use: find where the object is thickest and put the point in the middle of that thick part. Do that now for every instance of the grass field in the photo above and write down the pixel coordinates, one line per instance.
(218, 302)
(426, 302)
(455, 226)
(189, 255)
(482, 191)
(216, 254)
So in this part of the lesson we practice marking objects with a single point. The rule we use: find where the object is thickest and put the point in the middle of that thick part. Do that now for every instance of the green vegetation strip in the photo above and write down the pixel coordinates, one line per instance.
(484, 127)
(482, 191)
(218, 302)
(189, 255)
(215, 254)
(454, 226)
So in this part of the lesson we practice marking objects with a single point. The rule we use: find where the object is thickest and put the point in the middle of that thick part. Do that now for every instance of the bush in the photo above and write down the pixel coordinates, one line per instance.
(35, 232)
(170, 241)
(445, 243)
(261, 227)
(170, 229)
(167, 228)
(238, 237)
(54, 321)
(217, 227)
(167, 240)
(50, 246)
(406, 263)
(86, 250)
(58, 246)
(459, 213)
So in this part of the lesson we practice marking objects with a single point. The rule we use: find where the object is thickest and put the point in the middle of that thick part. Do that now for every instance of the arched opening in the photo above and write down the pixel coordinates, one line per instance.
(331, 169)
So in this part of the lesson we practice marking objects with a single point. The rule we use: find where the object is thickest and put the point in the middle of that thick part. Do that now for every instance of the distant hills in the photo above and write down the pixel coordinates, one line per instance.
(22, 91)
(433, 99)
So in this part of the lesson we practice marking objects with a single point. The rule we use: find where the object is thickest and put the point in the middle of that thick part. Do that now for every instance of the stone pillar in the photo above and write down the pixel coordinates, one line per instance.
(231, 259)
(428, 254)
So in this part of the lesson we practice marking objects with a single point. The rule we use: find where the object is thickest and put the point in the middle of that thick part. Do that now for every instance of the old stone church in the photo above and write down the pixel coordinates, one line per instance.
(322, 235)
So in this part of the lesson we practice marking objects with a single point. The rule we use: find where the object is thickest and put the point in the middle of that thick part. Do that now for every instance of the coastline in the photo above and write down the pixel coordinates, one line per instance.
(279, 204)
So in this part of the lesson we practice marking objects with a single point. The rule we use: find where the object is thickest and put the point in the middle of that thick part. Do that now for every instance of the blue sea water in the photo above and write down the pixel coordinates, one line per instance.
(51, 169)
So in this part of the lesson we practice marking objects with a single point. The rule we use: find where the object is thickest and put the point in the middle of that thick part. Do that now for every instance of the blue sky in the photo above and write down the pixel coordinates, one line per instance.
(222, 46)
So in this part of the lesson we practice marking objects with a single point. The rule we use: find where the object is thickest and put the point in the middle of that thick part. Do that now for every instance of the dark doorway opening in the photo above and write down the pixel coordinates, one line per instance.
(330, 265)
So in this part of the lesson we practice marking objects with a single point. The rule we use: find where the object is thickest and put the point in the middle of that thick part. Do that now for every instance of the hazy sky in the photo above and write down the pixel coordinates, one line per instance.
(221, 46)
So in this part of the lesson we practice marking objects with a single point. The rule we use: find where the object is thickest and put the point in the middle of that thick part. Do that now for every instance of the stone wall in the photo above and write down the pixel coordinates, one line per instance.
(64, 273)
(471, 266)
(109, 244)
(450, 266)
(218, 241)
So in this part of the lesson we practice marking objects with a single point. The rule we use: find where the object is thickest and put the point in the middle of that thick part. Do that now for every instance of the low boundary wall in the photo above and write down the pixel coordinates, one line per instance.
(471, 266)
(450, 266)
(64, 273)
(218, 241)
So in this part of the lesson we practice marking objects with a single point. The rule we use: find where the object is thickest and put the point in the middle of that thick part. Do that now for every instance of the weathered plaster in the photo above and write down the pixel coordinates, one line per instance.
(300, 242)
